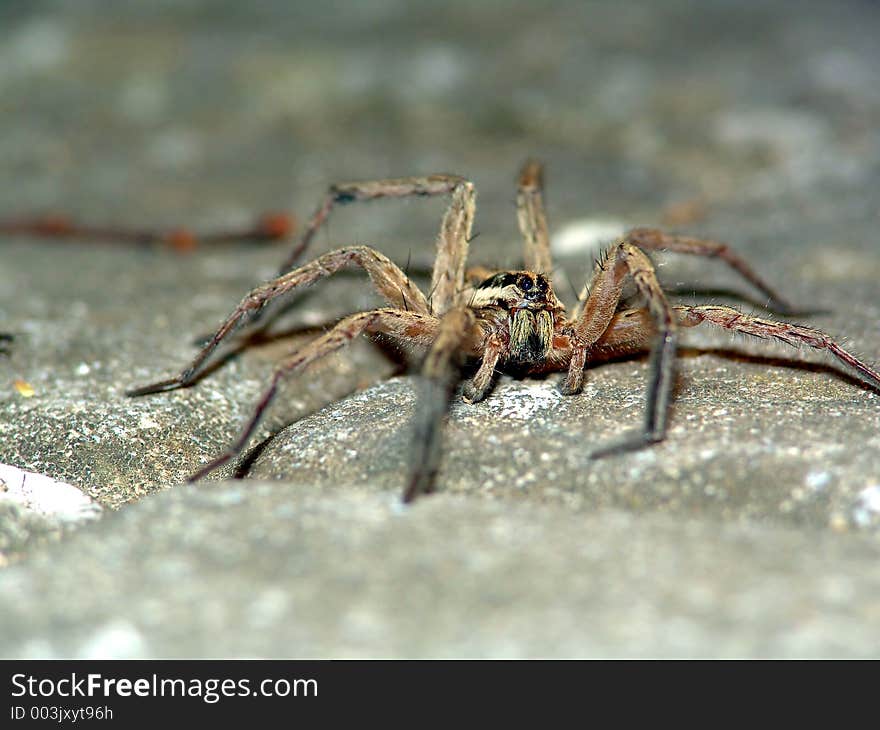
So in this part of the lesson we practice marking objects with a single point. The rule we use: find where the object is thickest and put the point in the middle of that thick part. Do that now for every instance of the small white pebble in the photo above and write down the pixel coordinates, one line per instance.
(588, 235)
(115, 640)
(818, 480)
(867, 508)
(46, 496)
(146, 422)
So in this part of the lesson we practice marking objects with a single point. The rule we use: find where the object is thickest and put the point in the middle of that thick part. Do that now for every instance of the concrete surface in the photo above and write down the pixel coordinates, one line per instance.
(752, 531)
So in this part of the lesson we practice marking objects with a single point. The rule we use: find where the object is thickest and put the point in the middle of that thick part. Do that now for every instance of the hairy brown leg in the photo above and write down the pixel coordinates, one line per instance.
(652, 239)
(435, 384)
(408, 326)
(447, 277)
(792, 334)
(348, 192)
(623, 259)
(604, 291)
(387, 278)
(268, 227)
(532, 218)
(656, 240)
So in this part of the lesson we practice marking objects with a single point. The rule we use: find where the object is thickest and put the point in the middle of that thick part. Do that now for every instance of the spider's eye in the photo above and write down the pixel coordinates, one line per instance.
(525, 283)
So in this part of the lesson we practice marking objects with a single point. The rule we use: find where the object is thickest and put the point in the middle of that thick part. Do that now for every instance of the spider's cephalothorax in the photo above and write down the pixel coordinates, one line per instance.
(509, 321)
(522, 308)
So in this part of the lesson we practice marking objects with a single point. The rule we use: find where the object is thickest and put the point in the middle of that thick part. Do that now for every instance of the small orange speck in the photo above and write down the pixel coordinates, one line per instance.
(181, 240)
(276, 225)
(55, 225)
(25, 389)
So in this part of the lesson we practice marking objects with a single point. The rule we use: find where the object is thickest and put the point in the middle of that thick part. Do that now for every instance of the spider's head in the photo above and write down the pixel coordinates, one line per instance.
(529, 300)
(515, 290)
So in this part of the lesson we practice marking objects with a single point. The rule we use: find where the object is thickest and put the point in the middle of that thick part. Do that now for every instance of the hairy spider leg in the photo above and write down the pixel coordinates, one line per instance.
(475, 390)
(624, 259)
(435, 385)
(419, 329)
(651, 239)
(390, 283)
(632, 331)
(532, 218)
(787, 332)
(349, 192)
(448, 275)
(458, 332)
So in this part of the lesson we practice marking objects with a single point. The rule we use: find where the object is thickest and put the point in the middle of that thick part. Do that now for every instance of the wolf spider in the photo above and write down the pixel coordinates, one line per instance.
(507, 321)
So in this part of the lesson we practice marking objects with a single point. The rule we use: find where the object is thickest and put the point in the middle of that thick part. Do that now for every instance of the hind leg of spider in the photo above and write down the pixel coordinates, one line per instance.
(349, 192)
(411, 327)
(389, 281)
(787, 332)
(632, 331)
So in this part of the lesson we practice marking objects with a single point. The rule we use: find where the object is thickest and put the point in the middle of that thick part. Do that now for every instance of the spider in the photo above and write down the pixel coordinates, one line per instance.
(503, 321)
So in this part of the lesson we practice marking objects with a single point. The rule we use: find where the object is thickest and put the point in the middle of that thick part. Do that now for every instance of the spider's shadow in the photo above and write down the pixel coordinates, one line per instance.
(775, 361)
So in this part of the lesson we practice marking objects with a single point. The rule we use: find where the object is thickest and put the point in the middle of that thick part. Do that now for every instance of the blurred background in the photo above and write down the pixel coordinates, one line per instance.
(204, 111)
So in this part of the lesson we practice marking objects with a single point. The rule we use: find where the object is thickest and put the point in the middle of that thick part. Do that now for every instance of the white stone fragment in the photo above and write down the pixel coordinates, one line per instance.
(46, 496)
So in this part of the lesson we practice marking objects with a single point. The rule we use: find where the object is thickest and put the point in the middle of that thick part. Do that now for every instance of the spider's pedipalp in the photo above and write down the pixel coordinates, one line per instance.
(387, 278)
(475, 390)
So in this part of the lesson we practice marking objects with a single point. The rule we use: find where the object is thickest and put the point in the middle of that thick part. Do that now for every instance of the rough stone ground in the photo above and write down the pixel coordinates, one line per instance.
(752, 531)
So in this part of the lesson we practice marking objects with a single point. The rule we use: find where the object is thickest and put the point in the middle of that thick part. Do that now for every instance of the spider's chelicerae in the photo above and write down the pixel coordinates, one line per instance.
(504, 321)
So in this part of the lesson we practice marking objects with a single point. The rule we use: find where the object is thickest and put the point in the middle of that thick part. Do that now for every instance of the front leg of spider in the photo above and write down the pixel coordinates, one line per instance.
(392, 284)
(598, 311)
(434, 387)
